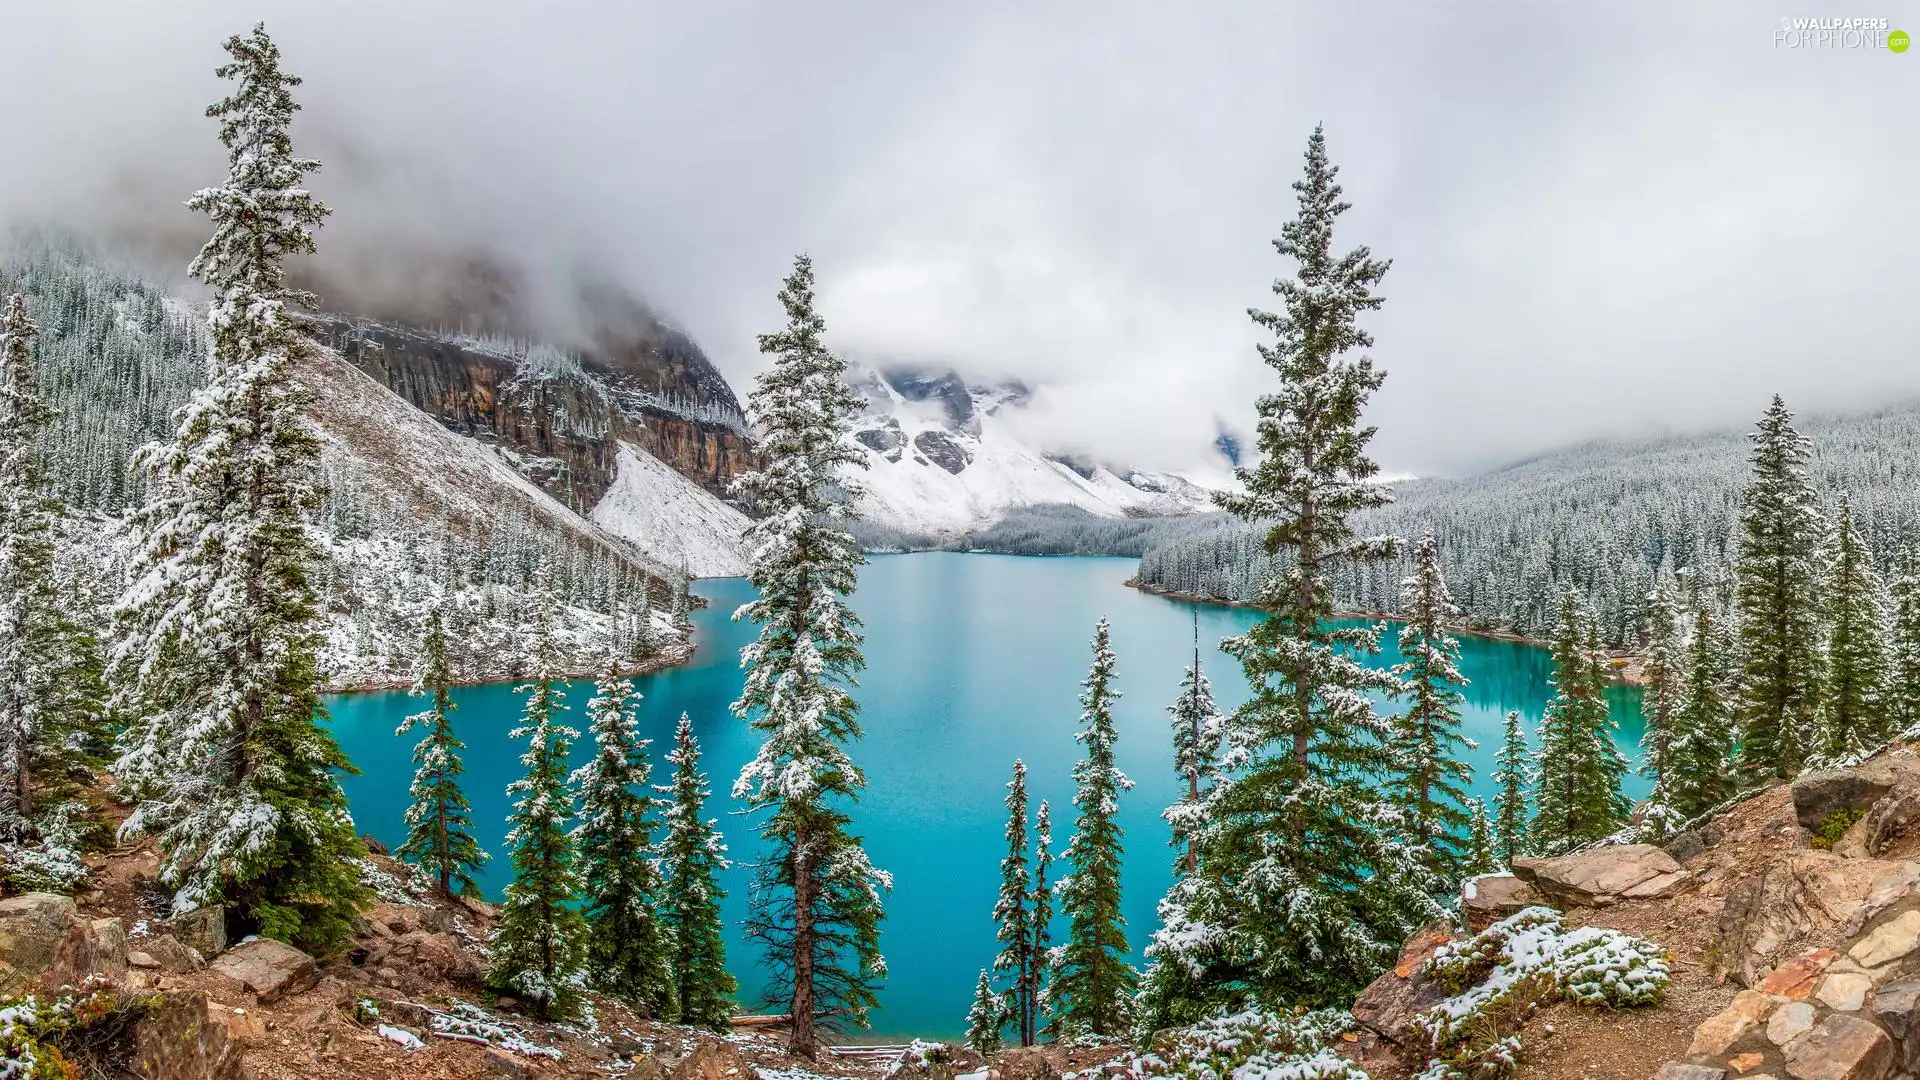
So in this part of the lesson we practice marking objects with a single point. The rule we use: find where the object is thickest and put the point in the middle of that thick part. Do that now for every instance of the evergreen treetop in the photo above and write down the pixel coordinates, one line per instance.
(1430, 777)
(1853, 705)
(439, 819)
(1777, 595)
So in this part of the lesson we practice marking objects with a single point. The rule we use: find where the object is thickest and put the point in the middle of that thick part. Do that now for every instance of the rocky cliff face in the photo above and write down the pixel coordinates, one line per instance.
(562, 413)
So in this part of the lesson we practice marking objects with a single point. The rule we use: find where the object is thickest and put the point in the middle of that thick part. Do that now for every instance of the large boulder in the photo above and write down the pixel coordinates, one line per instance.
(204, 930)
(269, 969)
(1487, 899)
(188, 1038)
(33, 928)
(1841, 1047)
(1817, 796)
(1024, 1063)
(1603, 875)
(712, 1059)
(1800, 900)
(1391, 1001)
(92, 948)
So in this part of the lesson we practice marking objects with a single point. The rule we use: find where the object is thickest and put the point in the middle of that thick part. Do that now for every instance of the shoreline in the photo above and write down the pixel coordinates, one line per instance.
(1626, 665)
(672, 656)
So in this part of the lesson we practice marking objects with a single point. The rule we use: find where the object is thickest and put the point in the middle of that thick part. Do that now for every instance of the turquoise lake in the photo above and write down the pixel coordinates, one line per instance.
(973, 660)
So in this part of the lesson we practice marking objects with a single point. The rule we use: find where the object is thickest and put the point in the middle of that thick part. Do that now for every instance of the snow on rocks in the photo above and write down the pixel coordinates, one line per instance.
(1604, 875)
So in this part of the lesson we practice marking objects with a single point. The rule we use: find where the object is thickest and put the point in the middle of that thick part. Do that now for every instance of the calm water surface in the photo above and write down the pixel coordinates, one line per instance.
(973, 660)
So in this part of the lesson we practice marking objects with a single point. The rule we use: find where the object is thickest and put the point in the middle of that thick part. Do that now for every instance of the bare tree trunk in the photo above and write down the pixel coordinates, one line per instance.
(804, 1042)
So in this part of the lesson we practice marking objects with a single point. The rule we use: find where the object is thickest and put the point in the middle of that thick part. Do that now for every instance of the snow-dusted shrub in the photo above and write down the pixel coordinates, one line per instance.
(44, 856)
(1251, 1045)
(1500, 975)
(68, 1035)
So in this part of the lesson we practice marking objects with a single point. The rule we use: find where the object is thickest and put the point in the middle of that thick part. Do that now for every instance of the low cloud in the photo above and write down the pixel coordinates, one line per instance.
(1602, 221)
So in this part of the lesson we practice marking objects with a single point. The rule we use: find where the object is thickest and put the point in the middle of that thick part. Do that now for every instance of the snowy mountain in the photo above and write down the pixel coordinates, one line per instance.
(412, 509)
(945, 459)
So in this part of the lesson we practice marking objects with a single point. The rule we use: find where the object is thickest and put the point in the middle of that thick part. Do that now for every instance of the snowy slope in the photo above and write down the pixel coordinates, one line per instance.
(944, 460)
(670, 518)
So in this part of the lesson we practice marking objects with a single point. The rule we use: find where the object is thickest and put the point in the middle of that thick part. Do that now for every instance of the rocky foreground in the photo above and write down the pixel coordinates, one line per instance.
(1778, 941)
(1791, 931)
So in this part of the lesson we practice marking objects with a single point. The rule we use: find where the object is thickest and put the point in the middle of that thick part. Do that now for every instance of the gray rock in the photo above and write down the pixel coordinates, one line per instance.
(1686, 847)
(1841, 1047)
(1680, 1070)
(1801, 899)
(1894, 1005)
(204, 930)
(1595, 877)
(1789, 1022)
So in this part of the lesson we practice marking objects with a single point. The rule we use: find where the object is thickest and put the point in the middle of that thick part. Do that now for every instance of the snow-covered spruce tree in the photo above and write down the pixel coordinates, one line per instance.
(1852, 713)
(627, 953)
(51, 694)
(1700, 766)
(1092, 983)
(1777, 594)
(1041, 951)
(691, 858)
(1903, 665)
(817, 897)
(1479, 856)
(1513, 765)
(1196, 754)
(538, 951)
(986, 1018)
(1577, 799)
(440, 837)
(1013, 917)
(1303, 891)
(225, 753)
(1430, 780)
(1665, 675)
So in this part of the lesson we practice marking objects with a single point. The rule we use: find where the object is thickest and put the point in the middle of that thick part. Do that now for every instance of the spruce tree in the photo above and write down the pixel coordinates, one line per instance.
(1430, 779)
(1665, 674)
(439, 819)
(1196, 752)
(986, 1017)
(1092, 983)
(1013, 914)
(1701, 774)
(1512, 768)
(538, 951)
(1853, 708)
(1777, 594)
(1903, 665)
(1578, 797)
(51, 694)
(1040, 954)
(227, 758)
(1479, 856)
(1303, 892)
(691, 857)
(817, 898)
(627, 952)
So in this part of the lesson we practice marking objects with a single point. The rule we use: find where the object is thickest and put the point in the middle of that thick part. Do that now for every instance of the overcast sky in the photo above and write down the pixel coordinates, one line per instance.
(1603, 219)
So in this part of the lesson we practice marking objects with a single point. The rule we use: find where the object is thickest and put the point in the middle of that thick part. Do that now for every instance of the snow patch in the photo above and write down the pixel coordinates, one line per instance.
(670, 518)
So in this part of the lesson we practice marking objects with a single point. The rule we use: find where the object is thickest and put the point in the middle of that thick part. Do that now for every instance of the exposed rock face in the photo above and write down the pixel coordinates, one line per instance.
(940, 449)
(1841, 1048)
(44, 940)
(566, 410)
(1391, 1001)
(1603, 876)
(1804, 898)
(204, 930)
(1817, 796)
(189, 1038)
(714, 1060)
